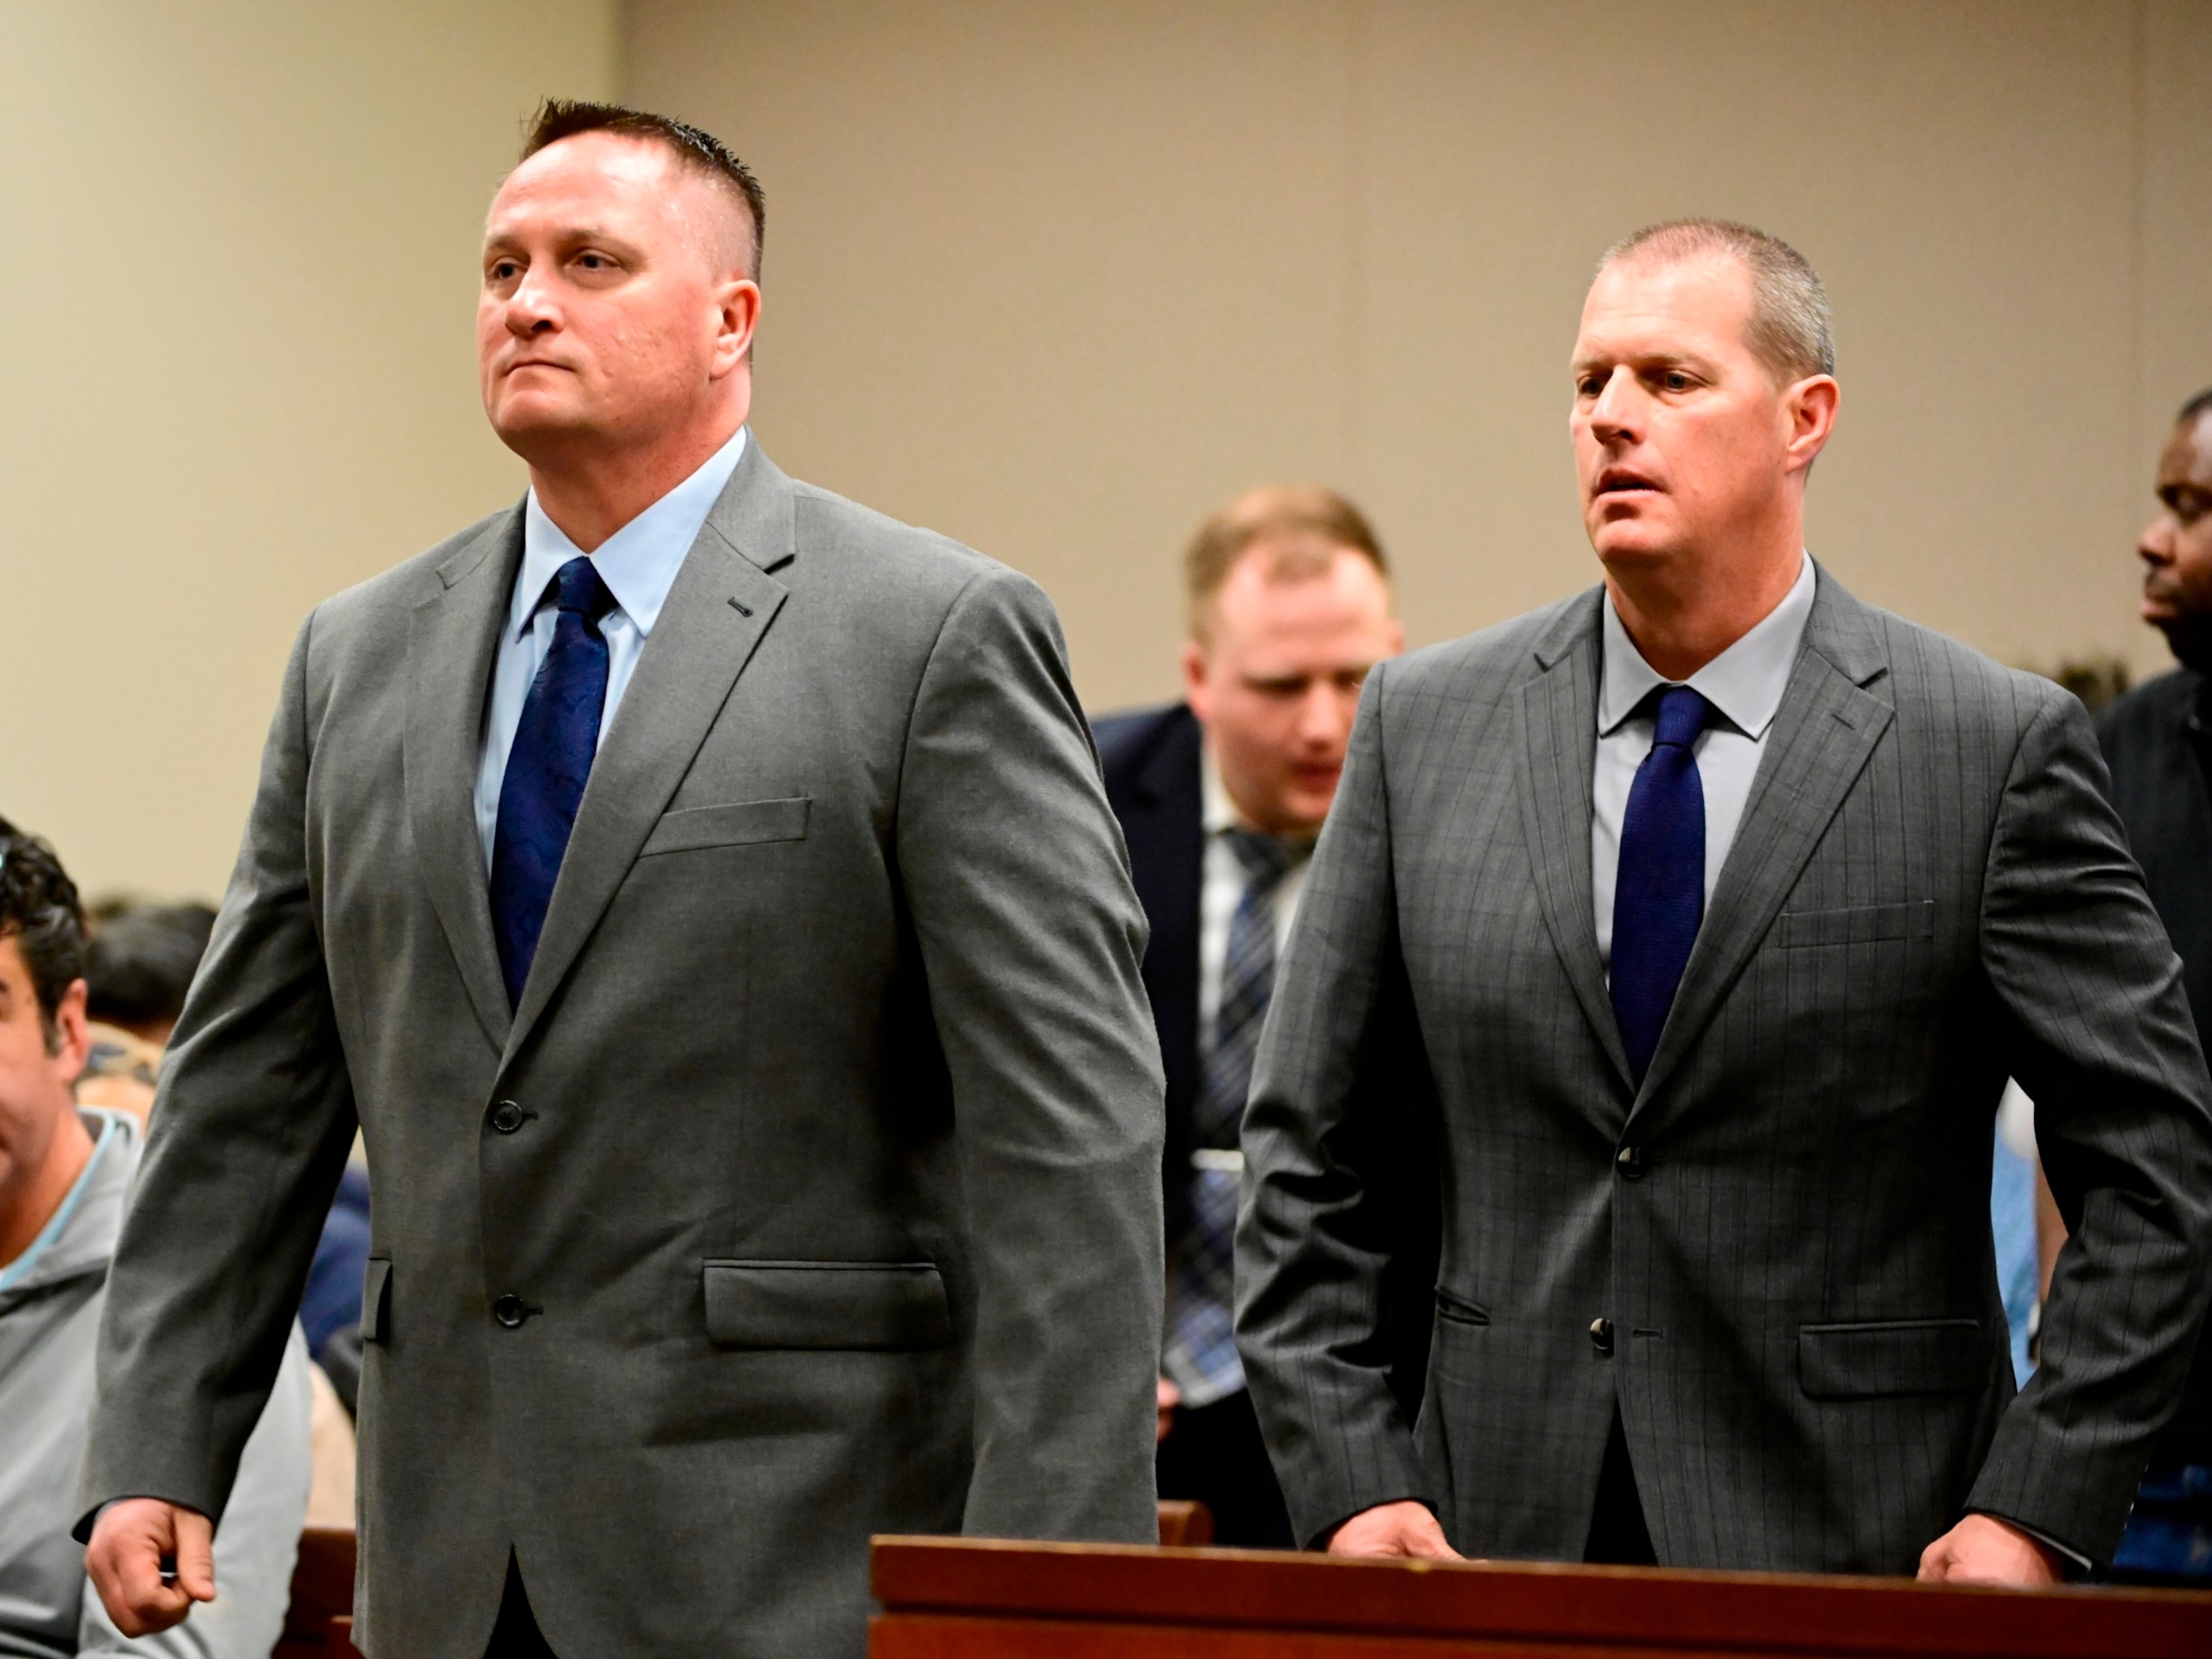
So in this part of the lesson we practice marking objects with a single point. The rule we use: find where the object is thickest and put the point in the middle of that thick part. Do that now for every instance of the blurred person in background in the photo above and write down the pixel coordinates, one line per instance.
(65, 1174)
(2158, 742)
(139, 963)
(1220, 797)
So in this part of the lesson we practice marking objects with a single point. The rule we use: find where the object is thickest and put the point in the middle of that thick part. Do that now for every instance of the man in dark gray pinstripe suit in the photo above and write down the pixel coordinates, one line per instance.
(1722, 905)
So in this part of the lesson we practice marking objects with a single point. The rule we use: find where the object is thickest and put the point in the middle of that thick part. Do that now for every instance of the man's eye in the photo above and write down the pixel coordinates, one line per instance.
(595, 261)
(504, 270)
(1676, 380)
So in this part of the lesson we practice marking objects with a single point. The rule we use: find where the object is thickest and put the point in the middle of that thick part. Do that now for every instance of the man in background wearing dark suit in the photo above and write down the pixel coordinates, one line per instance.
(2157, 742)
(1220, 797)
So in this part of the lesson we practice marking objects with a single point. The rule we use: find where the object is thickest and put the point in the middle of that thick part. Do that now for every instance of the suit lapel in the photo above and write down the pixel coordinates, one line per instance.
(1826, 729)
(451, 642)
(722, 603)
(1558, 749)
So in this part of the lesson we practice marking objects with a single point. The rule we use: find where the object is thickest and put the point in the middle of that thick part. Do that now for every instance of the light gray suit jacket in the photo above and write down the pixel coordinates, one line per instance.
(832, 1192)
(1806, 1347)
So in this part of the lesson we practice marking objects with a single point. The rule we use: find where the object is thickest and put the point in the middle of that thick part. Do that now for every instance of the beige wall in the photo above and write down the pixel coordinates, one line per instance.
(1055, 277)
(236, 304)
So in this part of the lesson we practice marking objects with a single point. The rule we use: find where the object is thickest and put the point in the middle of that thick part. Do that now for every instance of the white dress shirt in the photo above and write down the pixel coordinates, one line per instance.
(1744, 685)
(638, 563)
(1221, 890)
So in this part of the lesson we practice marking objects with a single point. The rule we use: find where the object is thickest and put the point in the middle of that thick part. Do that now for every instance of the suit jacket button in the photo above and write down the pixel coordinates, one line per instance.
(510, 1311)
(507, 1117)
(1601, 1335)
(1629, 1160)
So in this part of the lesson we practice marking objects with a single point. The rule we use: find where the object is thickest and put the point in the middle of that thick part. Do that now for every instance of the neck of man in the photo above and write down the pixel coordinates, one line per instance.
(591, 486)
(29, 1197)
(1684, 608)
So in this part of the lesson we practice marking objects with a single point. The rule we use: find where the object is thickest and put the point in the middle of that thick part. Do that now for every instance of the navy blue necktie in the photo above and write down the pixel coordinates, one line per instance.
(548, 767)
(1659, 894)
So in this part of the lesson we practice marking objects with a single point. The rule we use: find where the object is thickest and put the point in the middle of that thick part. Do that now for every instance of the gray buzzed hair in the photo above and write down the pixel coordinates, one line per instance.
(1791, 330)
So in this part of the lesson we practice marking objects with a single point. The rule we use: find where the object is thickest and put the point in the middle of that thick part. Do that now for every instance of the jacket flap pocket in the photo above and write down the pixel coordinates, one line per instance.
(375, 1296)
(1454, 1306)
(732, 825)
(827, 1304)
(1898, 1356)
(1863, 925)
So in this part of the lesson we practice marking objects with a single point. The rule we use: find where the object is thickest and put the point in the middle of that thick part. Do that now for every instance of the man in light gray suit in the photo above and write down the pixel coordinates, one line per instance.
(701, 891)
(1719, 906)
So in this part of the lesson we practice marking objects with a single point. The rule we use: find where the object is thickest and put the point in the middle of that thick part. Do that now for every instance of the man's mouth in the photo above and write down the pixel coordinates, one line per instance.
(1619, 480)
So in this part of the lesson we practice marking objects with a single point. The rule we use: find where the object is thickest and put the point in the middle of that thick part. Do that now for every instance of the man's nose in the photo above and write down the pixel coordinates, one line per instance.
(2156, 543)
(530, 309)
(1324, 715)
(1614, 414)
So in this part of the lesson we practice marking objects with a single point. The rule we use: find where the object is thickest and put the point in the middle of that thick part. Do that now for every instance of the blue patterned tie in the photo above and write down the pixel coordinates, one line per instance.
(547, 768)
(1200, 1356)
(1659, 894)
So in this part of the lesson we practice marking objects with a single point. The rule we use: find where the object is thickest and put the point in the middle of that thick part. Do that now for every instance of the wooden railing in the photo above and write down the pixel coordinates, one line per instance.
(943, 1597)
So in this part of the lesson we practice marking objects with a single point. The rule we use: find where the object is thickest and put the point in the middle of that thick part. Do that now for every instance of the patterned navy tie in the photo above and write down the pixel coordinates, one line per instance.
(547, 768)
(1659, 894)
(1201, 1355)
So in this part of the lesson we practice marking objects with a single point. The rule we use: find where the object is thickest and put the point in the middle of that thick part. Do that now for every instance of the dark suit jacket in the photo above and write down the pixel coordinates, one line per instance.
(1154, 783)
(2156, 742)
(1785, 1227)
(1151, 761)
(810, 1191)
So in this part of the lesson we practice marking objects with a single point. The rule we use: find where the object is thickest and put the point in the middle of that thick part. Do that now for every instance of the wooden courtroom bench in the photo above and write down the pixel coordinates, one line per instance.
(975, 1599)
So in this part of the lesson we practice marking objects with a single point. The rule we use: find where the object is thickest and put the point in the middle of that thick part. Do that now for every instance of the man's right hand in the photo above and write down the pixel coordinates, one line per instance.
(125, 1560)
(1395, 1529)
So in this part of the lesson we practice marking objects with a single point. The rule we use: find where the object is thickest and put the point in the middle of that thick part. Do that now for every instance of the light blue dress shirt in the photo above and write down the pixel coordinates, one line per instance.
(1745, 684)
(638, 563)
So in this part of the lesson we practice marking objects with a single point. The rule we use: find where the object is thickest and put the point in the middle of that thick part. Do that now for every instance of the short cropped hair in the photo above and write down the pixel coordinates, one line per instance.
(1304, 528)
(700, 152)
(40, 911)
(1791, 331)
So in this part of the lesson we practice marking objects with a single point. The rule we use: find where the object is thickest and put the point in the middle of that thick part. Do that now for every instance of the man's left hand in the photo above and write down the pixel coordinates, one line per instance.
(1984, 1550)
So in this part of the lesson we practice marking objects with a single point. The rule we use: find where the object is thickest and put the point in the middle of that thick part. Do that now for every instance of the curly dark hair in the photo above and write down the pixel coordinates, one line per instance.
(40, 911)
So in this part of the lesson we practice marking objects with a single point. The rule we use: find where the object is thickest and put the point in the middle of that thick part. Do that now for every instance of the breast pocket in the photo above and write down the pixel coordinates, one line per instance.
(827, 1304)
(736, 824)
(1864, 924)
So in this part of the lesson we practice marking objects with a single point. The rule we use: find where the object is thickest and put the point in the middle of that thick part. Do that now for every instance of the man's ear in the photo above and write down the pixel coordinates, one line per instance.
(1196, 690)
(70, 1041)
(1810, 408)
(738, 301)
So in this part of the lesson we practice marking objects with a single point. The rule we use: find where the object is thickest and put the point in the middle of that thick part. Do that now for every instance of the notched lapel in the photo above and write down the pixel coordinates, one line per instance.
(452, 639)
(1824, 733)
(1558, 750)
(721, 605)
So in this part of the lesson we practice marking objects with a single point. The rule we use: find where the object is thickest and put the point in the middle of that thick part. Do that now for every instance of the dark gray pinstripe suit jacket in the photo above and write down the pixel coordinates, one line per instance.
(1928, 891)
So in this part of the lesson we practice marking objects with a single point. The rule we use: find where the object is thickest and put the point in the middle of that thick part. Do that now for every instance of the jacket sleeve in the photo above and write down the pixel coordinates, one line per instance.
(256, 1542)
(249, 1134)
(2105, 1044)
(1316, 1239)
(1031, 936)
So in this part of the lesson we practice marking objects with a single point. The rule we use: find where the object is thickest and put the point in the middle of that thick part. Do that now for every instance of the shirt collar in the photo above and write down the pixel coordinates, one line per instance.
(1745, 682)
(639, 561)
